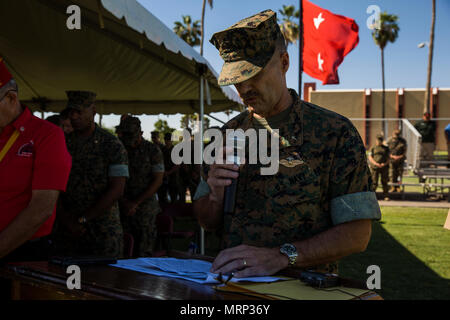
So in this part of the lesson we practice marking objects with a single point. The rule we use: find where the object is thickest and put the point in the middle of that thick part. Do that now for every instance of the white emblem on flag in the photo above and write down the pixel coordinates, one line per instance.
(320, 62)
(318, 21)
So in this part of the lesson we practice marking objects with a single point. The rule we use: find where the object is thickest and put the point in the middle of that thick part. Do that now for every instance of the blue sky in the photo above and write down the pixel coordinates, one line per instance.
(405, 63)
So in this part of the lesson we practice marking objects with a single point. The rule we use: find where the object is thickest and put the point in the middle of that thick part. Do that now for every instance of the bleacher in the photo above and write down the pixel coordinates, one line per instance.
(432, 176)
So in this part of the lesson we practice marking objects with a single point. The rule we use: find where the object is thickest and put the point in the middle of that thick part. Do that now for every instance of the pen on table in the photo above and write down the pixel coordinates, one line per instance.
(221, 280)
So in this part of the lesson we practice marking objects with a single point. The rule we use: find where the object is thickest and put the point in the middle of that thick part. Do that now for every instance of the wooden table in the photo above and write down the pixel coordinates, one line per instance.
(46, 281)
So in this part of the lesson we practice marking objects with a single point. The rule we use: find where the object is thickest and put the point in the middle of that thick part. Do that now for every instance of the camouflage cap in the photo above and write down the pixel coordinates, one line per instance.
(380, 136)
(129, 124)
(247, 46)
(80, 99)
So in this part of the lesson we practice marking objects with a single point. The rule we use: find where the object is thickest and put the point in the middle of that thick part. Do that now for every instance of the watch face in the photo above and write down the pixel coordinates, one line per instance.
(288, 249)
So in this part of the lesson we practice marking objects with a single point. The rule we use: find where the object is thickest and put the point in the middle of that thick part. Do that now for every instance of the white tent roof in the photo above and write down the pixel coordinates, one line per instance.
(123, 53)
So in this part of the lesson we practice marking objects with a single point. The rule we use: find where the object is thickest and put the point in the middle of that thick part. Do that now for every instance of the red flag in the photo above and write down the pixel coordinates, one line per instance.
(328, 38)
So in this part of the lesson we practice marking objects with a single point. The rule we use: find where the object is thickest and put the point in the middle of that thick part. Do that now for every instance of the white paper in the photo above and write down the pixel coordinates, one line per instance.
(188, 269)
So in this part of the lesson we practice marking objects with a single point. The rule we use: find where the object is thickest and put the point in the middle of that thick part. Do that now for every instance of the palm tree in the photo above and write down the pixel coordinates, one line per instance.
(426, 107)
(387, 32)
(288, 27)
(188, 31)
(203, 23)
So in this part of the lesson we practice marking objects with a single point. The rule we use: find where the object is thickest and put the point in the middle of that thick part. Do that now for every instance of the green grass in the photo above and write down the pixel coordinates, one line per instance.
(412, 249)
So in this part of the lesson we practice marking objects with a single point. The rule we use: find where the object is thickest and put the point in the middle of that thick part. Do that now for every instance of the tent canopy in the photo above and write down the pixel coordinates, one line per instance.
(126, 55)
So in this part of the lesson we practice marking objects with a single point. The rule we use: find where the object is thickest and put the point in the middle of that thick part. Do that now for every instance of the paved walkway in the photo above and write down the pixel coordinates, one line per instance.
(418, 204)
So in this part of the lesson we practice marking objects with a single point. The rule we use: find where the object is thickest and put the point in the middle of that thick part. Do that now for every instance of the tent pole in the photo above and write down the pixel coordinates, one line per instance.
(202, 110)
(300, 48)
(218, 120)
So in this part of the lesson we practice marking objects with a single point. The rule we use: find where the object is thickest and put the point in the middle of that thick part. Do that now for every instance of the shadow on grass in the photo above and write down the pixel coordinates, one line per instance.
(403, 275)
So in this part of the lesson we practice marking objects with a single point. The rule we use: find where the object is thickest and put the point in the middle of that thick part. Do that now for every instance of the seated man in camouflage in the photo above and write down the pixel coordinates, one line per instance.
(319, 206)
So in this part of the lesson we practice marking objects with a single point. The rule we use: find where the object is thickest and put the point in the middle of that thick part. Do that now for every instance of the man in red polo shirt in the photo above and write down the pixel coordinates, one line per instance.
(34, 168)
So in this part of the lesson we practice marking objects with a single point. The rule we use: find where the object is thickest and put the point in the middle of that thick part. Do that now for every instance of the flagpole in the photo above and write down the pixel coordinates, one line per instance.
(300, 49)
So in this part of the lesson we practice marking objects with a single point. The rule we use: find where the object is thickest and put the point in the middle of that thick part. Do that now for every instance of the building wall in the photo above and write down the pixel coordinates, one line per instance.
(348, 105)
(444, 112)
(351, 105)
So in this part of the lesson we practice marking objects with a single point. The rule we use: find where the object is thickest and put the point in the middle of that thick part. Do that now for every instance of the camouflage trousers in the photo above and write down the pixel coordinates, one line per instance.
(396, 171)
(142, 227)
(382, 173)
(103, 237)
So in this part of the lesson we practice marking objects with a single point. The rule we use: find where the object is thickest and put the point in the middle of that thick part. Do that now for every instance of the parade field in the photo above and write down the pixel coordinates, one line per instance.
(198, 151)
(413, 251)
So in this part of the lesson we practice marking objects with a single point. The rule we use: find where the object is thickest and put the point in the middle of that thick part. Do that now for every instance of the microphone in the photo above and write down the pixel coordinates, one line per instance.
(229, 200)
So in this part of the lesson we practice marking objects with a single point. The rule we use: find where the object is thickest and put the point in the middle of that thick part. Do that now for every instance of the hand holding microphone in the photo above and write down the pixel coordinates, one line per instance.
(222, 178)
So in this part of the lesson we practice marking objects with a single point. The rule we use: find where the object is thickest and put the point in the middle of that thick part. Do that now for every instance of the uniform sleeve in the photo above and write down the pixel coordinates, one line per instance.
(202, 190)
(52, 163)
(351, 192)
(118, 159)
(157, 160)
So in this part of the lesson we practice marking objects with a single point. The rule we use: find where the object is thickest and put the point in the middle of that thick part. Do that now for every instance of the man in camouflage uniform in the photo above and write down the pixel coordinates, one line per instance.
(155, 139)
(139, 206)
(189, 174)
(379, 165)
(172, 170)
(318, 207)
(162, 191)
(88, 219)
(397, 151)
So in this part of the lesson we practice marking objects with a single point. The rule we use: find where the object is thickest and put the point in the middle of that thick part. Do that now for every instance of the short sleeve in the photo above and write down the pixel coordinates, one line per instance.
(350, 191)
(157, 159)
(52, 162)
(118, 159)
(202, 190)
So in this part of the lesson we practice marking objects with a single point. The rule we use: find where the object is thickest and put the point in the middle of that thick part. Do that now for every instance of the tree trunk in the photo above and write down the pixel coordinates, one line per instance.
(203, 28)
(426, 107)
(383, 97)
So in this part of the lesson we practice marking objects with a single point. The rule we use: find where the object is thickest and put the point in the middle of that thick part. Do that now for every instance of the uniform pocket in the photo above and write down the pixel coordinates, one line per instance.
(294, 204)
(295, 182)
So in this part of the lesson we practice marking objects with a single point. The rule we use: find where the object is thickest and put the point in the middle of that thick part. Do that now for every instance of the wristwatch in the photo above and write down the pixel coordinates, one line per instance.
(82, 220)
(290, 251)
